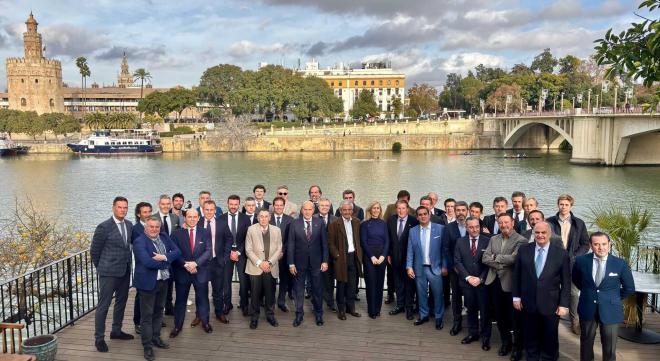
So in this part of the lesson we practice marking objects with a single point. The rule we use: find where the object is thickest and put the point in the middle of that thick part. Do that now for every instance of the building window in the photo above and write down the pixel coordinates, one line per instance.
(397, 83)
(22, 80)
(52, 103)
(340, 83)
(380, 82)
(389, 82)
(389, 91)
(356, 83)
(332, 83)
(364, 83)
(372, 82)
(396, 91)
(36, 81)
(23, 102)
(339, 92)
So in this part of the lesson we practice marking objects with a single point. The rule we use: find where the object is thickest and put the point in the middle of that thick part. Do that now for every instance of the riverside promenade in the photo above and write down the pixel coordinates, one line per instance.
(385, 338)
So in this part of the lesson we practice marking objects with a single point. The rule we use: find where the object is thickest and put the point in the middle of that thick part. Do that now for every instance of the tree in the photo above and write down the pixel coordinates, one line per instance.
(313, 98)
(521, 69)
(96, 120)
(365, 105)
(423, 98)
(569, 64)
(544, 62)
(397, 106)
(83, 68)
(180, 98)
(497, 100)
(121, 121)
(219, 84)
(152, 119)
(65, 125)
(634, 52)
(488, 74)
(141, 74)
(155, 103)
(470, 89)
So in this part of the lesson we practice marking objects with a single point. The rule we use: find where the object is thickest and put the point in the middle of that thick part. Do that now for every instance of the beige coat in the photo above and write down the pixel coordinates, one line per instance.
(254, 249)
(501, 260)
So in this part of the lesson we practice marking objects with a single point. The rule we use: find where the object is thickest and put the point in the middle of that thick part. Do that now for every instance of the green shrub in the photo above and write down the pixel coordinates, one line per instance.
(396, 147)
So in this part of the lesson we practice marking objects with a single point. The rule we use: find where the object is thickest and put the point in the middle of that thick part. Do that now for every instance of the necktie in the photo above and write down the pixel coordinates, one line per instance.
(600, 272)
(167, 228)
(325, 220)
(191, 240)
(539, 262)
(208, 224)
(258, 204)
(399, 232)
(279, 220)
(474, 247)
(308, 231)
(160, 247)
(517, 215)
(122, 228)
(233, 225)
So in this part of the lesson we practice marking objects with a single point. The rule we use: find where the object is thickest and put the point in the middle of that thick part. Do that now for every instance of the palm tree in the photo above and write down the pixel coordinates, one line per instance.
(141, 74)
(81, 63)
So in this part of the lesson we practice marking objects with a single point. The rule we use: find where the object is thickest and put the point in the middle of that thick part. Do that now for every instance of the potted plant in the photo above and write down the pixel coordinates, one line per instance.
(44, 347)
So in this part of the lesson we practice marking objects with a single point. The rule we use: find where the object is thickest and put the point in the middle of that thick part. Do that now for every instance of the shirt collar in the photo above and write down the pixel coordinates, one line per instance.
(116, 220)
(545, 248)
(597, 258)
(564, 220)
(427, 227)
(163, 214)
(347, 220)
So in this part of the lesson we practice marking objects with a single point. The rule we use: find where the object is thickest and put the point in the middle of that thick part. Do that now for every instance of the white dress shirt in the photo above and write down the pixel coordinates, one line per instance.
(168, 220)
(595, 267)
(348, 226)
(212, 226)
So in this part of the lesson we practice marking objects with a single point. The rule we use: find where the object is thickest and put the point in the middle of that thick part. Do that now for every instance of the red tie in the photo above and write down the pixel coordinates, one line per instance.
(474, 247)
(191, 239)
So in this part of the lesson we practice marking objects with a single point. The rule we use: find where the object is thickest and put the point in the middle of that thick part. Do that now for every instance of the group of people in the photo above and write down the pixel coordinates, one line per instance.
(514, 266)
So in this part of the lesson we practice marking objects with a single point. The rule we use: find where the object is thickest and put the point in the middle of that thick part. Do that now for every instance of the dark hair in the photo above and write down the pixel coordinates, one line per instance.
(258, 186)
(470, 218)
(461, 204)
(518, 194)
(119, 199)
(178, 195)
(234, 197)
(205, 192)
(403, 193)
(209, 202)
(347, 191)
(247, 199)
(449, 200)
(278, 198)
(425, 198)
(477, 205)
(504, 214)
(262, 210)
(500, 199)
(599, 234)
(420, 208)
(314, 186)
(138, 208)
(536, 211)
(401, 201)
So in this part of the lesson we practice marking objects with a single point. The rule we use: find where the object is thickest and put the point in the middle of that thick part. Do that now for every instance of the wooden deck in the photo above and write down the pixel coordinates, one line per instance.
(386, 338)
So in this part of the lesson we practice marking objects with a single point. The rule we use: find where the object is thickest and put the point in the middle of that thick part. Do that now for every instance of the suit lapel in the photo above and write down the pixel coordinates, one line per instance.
(590, 270)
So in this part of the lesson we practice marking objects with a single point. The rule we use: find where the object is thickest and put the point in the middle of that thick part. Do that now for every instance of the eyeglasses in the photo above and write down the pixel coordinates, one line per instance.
(282, 193)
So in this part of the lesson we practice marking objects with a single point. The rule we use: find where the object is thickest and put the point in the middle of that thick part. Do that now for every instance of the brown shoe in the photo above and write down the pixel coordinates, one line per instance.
(222, 318)
(195, 322)
(575, 327)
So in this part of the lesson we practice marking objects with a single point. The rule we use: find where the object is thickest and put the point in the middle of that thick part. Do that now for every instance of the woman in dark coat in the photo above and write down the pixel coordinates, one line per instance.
(375, 244)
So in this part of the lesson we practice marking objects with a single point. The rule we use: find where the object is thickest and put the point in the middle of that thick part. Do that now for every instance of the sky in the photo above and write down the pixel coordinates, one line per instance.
(425, 39)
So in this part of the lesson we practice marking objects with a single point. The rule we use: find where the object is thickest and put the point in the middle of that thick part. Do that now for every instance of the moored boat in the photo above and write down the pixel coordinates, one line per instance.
(7, 147)
(119, 142)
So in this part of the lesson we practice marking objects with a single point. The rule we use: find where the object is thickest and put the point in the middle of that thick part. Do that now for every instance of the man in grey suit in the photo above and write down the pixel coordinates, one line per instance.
(500, 256)
(111, 255)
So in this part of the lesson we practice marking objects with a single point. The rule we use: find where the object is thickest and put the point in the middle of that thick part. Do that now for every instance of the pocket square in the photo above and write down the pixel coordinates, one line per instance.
(612, 274)
(436, 237)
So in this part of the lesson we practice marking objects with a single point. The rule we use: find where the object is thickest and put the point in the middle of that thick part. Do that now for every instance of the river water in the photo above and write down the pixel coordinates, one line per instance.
(79, 190)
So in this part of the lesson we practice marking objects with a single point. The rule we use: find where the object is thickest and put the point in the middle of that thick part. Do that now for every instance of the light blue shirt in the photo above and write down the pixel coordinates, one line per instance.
(425, 238)
(544, 256)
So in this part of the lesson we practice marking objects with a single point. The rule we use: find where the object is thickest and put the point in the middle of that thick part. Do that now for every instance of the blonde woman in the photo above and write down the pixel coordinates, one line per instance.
(375, 245)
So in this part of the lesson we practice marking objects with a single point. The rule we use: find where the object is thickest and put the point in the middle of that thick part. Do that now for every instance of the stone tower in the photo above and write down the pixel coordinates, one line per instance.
(34, 83)
(125, 79)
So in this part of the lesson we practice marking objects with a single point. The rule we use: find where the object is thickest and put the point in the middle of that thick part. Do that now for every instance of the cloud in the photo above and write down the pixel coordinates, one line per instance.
(245, 49)
(317, 49)
(117, 52)
(72, 41)
(461, 63)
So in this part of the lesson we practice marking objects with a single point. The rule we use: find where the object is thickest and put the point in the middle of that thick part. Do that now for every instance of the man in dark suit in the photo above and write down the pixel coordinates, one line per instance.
(426, 202)
(250, 210)
(450, 214)
(192, 270)
(516, 211)
(574, 235)
(237, 223)
(169, 223)
(434, 202)
(205, 196)
(604, 281)
(154, 253)
(358, 212)
(307, 249)
(328, 276)
(221, 241)
(398, 227)
(490, 225)
(142, 213)
(455, 230)
(315, 193)
(541, 289)
(390, 210)
(472, 274)
(283, 221)
(533, 218)
(259, 192)
(476, 209)
(530, 204)
(111, 254)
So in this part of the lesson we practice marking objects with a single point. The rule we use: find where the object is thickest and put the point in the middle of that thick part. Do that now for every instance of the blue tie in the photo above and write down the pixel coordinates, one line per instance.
(539, 263)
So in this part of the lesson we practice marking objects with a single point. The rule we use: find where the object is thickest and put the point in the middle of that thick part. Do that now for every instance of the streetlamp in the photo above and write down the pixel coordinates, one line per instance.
(509, 97)
(561, 105)
(589, 102)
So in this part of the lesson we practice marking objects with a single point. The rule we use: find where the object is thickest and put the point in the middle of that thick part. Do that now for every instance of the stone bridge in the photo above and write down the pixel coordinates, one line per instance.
(612, 139)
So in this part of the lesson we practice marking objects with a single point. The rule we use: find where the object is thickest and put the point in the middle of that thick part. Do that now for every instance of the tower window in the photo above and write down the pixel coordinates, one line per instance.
(23, 102)
(52, 103)
(22, 80)
(36, 81)
(372, 82)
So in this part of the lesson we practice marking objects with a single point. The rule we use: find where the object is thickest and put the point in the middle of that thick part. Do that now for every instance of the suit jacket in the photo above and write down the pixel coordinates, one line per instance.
(439, 212)
(358, 212)
(467, 265)
(254, 249)
(578, 238)
(303, 253)
(284, 227)
(174, 219)
(201, 254)
(501, 260)
(221, 245)
(554, 239)
(146, 268)
(515, 220)
(338, 247)
(438, 253)
(110, 254)
(265, 205)
(439, 219)
(453, 234)
(331, 218)
(399, 245)
(137, 231)
(489, 222)
(391, 210)
(242, 224)
(551, 289)
(218, 211)
(617, 284)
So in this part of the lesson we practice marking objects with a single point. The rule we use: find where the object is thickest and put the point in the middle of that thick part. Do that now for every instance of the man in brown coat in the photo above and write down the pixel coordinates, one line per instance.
(345, 249)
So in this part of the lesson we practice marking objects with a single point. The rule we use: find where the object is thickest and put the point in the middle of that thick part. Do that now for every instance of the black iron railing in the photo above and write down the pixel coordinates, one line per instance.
(647, 258)
(51, 297)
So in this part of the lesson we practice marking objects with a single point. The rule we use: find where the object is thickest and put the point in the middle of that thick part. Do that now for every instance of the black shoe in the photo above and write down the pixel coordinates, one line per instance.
(389, 300)
(421, 321)
(253, 324)
(410, 315)
(485, 345)
(516, 355)
(332, 308)
(372, 317)
(469, 339)
(158, 342)
(455, 330)
(297, 321)
(246, 313)
(307, 295)
(121, 336)
(341, 315)
(283, 308)
(138, 329)
(207, 328)
(396, 310)
(101, 346)
(273, 322)
(319, 321)
(149, 354)
(504, 350)
(354, 313)
(175, 332)
(169, 310)
(439, 324)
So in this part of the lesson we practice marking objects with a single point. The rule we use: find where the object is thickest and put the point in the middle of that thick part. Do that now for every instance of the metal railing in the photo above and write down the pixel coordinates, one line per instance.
(52, 297)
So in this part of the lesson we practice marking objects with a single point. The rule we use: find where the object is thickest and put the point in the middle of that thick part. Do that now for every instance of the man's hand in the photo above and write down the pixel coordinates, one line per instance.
(381, 259)
(265, 266)
(293, 270)
(389, 260)
(374, 260)
(191, 267)
(444, 271)
(517, 305)
(485, 230)
(159, 257)
(474, 281)
(561, 311)
(324, 267)
(233, 256)
(411, 273)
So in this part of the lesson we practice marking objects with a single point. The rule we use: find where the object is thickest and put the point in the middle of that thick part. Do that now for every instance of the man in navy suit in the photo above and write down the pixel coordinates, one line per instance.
(455, 230)
(349, 195)
(154, 253)
(307, 248)
(205, 196)
(142, 213)
(541, 289)
(398, 227)
(426, 263)
(604, 281)
(490, 225)
(237, 223)
(282, 220)
(325, 214)
(192, 269)
(472, 275)
(250, 210)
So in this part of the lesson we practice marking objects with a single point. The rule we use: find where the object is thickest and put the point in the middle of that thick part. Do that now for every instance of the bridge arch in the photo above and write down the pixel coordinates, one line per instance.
(523, 126)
